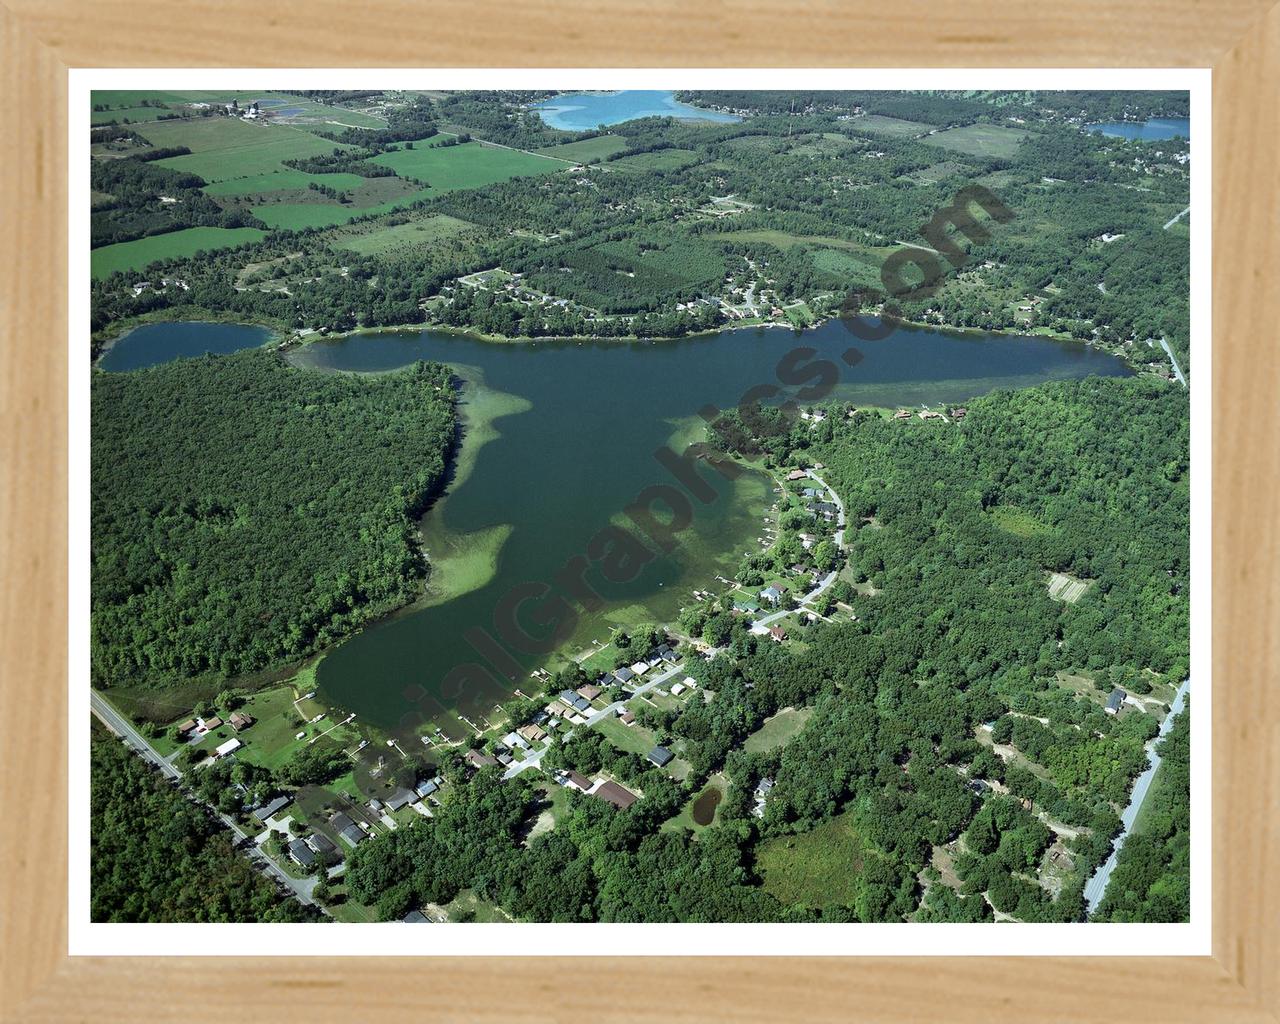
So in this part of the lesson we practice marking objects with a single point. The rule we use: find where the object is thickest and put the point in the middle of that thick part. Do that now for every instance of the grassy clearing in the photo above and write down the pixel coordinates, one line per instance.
(891, 126)
(468, 907)
(588, 151)
(1018, 521)
(385, 238)
(120, 115)
(988, 140)
(818, 868)
(777, 730)
(296, 216)
(634, 738)
(470, 165)
(658, 160)
(175, 244)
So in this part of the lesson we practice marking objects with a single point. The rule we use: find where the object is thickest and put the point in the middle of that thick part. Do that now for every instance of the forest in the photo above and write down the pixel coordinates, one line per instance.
(956, 638)
(276, 516)
(157, 857)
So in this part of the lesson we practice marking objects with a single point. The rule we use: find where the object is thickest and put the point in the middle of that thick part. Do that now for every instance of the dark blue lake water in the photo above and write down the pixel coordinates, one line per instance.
(161, 343)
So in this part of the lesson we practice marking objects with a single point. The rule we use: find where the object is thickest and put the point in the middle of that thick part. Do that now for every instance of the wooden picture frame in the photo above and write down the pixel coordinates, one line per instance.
(41, 39)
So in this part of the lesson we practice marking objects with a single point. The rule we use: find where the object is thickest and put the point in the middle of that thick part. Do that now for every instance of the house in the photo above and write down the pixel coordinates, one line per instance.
(640, 668)
(269, 809)
(186, 728)
(532, 733)
(223, 749)
(777, 633)
(577, 781)
(771, 594)
(302, 854)
(1115, 700)
(400, 798)
(348, 830)
(240, 722)
(425, 789)
(660, 756)
(589, 692)
(958, 413)
(624, 675)
(811, 492)
(415, 917)
(929, 414)
(514, 739)
(902, 414)
(627, 718)
(677, 689)
(322, 845)
(478, 760)
(212, 723)
(612, 793)
(797, 474)
(763, 788)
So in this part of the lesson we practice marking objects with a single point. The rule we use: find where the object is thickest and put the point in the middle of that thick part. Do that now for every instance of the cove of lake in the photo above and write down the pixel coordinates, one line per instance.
(583, 111)
(1154, 130)
(560, 438)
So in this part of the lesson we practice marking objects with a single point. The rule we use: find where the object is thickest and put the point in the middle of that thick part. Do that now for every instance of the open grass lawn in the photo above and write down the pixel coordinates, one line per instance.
(295, 216)
(468, 907)
(588, 150)
(891, 126)
(1018, 521)
(470, 165)
(854, 268)
(991, 140)
(635, 738)
(777, 730)
(658, 160)
(144, 251)
(818, 868)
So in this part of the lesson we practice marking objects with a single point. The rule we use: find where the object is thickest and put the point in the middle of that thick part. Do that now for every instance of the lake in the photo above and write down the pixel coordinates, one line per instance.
(159, 343)
(1154, 130)
(560, 438)
(582, 111)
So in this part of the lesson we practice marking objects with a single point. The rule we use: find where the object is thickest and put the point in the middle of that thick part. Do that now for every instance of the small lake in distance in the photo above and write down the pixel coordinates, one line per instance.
(582, 111)
(1154, 130)
(152, 344)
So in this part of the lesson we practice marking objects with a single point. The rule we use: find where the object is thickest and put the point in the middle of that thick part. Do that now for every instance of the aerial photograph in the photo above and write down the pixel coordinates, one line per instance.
(716, 506)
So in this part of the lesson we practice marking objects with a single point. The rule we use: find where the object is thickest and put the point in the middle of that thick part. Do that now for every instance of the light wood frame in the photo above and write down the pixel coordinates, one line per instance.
(41, 39)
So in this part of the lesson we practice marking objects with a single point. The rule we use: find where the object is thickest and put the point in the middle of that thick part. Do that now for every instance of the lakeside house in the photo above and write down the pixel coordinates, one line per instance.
(777, 633)
(240, 722)
(588, 692)
(577, 780)
(797, 474)
(1115, 700)
(268, 810)
(761, 795)
(478, 760)
(627, 717)
(301, 854)
(771, 594)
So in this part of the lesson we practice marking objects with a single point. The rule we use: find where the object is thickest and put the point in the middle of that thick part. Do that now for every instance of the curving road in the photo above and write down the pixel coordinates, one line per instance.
(1096, 887)
(122, 727)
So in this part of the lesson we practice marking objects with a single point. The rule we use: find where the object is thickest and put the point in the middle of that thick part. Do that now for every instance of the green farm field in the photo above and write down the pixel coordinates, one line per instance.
(469, 165)
(284, 180)
(658, 160)
(131, 114)
(224, 148)
(386, 238)
(990, 140)
(144, 251)
(893, 127)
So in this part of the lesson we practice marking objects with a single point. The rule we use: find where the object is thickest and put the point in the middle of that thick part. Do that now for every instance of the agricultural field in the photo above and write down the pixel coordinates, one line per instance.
(175, 244)
(469, 165)
(284, 180)
(892, 127)
(121, 115)
(224, 148)
(385, 238)
(984, 140)
(1067, 588)
(587, 151)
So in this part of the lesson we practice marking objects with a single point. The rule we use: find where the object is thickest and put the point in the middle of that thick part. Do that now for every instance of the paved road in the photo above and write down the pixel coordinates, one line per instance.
(808, 599)
(1177, 370)
(534, 760)
(1097, 885)
(1174, 219)
(121, 726)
